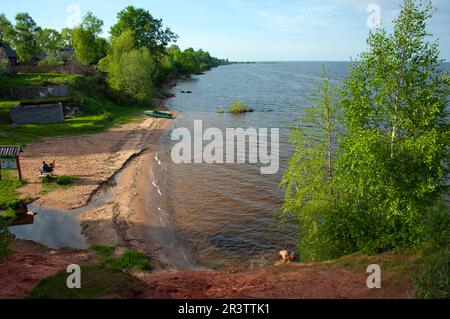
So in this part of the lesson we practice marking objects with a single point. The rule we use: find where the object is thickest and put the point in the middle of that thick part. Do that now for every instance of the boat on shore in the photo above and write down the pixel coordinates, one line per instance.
(159, 114)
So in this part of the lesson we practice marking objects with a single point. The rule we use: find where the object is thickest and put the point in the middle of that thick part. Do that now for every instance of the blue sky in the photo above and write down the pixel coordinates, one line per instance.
(261, 30)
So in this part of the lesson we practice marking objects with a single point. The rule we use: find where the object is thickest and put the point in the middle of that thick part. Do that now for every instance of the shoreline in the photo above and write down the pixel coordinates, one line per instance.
(134, 216)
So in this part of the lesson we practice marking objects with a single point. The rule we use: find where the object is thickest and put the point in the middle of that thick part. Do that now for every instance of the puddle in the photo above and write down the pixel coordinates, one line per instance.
(52, 228)
(56, 228)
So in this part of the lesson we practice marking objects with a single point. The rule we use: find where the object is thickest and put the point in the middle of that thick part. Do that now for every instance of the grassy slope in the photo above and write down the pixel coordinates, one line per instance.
(8, 194)
(108, 278)
(99, 114)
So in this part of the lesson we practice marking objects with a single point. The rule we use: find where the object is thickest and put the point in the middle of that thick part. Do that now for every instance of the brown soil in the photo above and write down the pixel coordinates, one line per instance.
(288, 282)
(31, 262)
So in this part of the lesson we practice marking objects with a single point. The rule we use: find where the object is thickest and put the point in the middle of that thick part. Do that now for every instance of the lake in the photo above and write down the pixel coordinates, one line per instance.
(223, 213)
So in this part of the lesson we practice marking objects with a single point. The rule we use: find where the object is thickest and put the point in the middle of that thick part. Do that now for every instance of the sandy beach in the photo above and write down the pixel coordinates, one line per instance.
(135, 215)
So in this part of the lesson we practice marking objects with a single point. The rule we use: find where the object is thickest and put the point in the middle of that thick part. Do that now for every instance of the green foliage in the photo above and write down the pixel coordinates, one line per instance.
(380, 190)
(312, 197)
(5, 236)
(57, 182)
(8, 201)
(66, 180)
(238, 107)
(7, 31)
(84, 43)
(130, 260)
(66, 38)
(176, 62)
(8, 193)
(92, 24)
(130, 71)
(4, 65)
(25, 38)
(49, 40)
(98, 113)
(104, 252)
(149, 32)
(434, 281)
(394, 154)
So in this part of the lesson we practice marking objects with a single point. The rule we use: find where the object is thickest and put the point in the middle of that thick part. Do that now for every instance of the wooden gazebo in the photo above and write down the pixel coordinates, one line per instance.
(9, 159)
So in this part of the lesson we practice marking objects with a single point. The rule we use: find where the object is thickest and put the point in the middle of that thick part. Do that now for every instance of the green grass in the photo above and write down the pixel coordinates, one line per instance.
(433, 281)
(8, 194)
(104, 252)
(98, 281)
(129, 260)
(57, 182)
(33, 79)
(108, 278)
(99, 115)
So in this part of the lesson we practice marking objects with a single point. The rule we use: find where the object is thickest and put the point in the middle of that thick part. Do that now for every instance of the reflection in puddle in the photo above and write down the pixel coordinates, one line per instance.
(55, 228)
(52, 228)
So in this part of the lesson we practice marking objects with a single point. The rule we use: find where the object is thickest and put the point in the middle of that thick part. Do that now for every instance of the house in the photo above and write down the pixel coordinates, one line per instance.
(5, 50)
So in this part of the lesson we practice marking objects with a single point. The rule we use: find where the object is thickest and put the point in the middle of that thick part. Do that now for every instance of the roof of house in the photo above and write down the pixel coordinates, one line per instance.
(9, 52)
(10, 151)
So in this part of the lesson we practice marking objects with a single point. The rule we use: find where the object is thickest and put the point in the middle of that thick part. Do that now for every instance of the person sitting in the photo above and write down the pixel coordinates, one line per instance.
(46, 168)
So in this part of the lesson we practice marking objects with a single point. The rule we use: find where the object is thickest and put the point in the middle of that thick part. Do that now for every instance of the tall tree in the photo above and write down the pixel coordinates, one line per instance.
(50, 41)
(25, 41)
(92, 24)
(149, 32)
(130, 71)
(66, 37)
(311, 194)
(7, 31)
(395, 154)
(84, 43)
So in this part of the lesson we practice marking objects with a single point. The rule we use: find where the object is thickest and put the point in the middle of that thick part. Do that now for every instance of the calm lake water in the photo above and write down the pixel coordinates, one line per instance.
(223, 212)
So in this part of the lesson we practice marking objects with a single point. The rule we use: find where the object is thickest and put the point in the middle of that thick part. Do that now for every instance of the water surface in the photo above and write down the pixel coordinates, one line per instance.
(224, 212)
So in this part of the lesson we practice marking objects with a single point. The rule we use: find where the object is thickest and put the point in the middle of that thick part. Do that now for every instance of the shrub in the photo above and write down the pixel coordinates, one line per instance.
(5, 236)
(434, 281)
(132, 259)
(239, 107)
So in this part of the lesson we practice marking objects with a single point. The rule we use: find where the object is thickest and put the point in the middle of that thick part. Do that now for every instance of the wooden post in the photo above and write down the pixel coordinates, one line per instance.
(18, 167)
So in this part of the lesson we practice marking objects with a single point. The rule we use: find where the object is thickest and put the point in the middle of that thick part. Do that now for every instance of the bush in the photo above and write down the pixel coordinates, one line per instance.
(434, 281)
(5, 236)
(132, 259)
(239, 107)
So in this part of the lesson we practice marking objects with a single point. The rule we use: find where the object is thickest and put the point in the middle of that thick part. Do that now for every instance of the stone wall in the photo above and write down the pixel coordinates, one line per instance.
(40, 92)
(38, 114)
